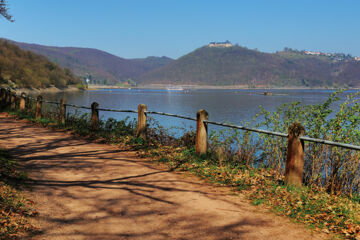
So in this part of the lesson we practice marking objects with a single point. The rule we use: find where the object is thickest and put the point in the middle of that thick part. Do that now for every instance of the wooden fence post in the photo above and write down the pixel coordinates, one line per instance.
(62, 111)
(38, 107)
(201, 132)
(8, 98)
(13, 100)
(17, 101)
(22, 101)
(295, 156)
(94, 116)
(141, 127)
(2, 96)
(28, 104)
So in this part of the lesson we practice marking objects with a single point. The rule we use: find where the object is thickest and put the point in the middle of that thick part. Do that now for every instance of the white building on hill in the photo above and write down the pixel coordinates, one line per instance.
(220, 44)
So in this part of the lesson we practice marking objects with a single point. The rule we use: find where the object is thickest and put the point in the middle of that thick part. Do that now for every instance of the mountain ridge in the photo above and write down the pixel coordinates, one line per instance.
(216, 66)
(103, 67)
(238, 65)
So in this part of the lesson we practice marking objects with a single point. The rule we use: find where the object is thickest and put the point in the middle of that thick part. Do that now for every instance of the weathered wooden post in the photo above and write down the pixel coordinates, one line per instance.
(8, 97)
(295, 155)
(94, 116)
(62, 111)
(141, 127)
(38, 113)
(201, 132)
(13, 100)
(2, 96)
(17, 101)
(22, 101)
(29, 103)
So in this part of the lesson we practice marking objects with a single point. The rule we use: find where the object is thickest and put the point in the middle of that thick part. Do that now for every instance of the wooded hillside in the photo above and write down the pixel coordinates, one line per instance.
(217, 66)
(27, 69)
(241, 66)
(103, 67)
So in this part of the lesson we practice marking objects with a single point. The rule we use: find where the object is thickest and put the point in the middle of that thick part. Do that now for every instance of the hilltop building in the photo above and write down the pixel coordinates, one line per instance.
(220, 44)
(339, 57)
(317, 53)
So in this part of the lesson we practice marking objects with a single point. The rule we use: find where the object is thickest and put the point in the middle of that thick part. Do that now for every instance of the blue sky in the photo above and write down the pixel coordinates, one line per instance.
(140, 28)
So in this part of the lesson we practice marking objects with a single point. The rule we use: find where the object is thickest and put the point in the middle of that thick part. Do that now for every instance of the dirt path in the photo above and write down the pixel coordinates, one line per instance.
(86, 190)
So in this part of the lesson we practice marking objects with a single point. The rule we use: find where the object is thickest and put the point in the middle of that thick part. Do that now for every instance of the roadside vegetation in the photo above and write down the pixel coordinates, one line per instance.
(254, 164)
(15, 208)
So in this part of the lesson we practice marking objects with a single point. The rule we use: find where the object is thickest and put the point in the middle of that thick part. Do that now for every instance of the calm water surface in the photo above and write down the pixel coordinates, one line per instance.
(234, 106)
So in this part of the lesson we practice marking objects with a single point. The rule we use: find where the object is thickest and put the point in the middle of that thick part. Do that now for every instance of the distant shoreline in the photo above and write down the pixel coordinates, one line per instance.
(44, 90)
(188, 86)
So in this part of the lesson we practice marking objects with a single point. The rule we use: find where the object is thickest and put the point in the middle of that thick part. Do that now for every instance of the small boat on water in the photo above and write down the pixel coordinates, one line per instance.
(268, 93)
(175, 88)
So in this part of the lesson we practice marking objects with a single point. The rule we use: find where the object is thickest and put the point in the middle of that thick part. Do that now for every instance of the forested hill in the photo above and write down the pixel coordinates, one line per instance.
(241, 66)
(102, 66)
(27, 69)
(208, 66)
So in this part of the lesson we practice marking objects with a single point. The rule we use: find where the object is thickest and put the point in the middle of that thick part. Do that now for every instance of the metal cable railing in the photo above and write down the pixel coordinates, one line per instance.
(114, 110)
(327, 142)
(248, 129)
(171, 115)
(308, 139)
(77, 106)
(50, 102)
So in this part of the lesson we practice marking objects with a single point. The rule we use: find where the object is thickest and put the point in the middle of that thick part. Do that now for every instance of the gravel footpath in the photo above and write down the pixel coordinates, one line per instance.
(87, 190)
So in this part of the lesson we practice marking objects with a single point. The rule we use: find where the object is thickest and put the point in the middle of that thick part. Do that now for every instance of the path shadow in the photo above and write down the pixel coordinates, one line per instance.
(92, 185)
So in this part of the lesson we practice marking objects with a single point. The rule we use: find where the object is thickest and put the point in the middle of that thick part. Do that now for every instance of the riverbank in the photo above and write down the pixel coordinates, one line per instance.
(211, 87)
(52, 89)
(261, 186)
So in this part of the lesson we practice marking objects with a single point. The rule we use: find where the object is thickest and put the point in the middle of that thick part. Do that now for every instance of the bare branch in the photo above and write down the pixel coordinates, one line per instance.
(4, 11)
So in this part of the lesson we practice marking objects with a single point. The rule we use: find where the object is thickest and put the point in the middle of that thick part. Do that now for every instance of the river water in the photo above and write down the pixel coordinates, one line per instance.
(232, 106)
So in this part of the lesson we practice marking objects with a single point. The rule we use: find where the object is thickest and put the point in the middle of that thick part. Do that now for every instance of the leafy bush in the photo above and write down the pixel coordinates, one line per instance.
(334, 168)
